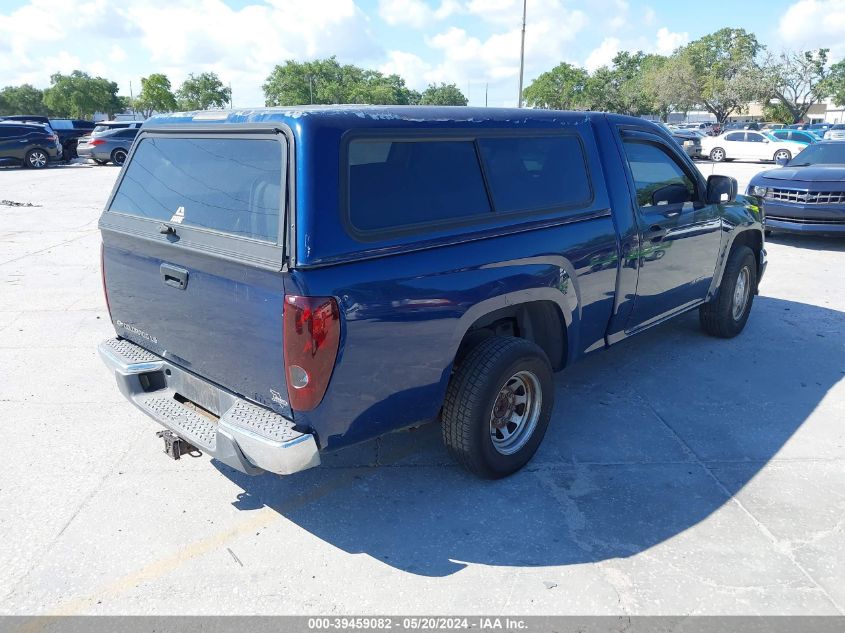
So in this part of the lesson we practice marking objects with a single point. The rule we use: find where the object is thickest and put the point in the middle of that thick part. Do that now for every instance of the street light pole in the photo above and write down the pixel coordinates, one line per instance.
(522, 54)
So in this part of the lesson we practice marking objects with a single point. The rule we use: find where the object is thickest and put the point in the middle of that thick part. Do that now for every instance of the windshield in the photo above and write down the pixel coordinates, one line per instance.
(820, 154)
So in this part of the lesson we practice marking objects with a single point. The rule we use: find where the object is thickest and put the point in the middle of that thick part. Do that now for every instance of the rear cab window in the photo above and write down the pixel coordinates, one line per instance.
(210, 189)
(418, 185)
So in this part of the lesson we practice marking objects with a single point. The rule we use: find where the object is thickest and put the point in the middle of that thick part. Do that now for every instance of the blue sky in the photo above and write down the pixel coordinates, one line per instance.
(472, 43)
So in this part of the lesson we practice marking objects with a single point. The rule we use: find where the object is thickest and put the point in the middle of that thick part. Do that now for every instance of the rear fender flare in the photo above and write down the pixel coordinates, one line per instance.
(565, 297)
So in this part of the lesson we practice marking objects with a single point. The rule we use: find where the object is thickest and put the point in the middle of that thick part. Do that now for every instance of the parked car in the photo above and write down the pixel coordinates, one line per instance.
(819, 128)
(403, 264)
(68, 130)
(806, 194)
(30, 145)
(690, 141)
(748, 145)
(835, 133)
(110, 146)
(106, 126)
(802, 136)
(772, 126)
(740, 125)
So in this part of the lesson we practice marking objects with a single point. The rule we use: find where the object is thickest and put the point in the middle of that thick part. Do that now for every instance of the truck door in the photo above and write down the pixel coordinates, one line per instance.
(680, 233)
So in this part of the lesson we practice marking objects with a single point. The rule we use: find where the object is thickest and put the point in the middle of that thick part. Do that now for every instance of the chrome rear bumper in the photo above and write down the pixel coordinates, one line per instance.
(239, 433)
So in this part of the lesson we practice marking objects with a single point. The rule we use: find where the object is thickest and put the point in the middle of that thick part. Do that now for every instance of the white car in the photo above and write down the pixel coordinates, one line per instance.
(836, 133)
(748, 145)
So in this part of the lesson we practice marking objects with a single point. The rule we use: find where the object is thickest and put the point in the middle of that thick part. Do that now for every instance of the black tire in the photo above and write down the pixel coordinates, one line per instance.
(722, 315)
(488, 380)
(717, 154)
(100, 161)
(118, 156)
(36, 159)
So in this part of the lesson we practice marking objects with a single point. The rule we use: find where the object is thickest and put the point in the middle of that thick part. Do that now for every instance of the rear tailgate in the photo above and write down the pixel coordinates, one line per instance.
(193, 254)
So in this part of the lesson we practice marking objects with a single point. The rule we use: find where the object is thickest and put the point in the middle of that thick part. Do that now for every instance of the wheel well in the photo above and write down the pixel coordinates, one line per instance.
(538, 321)
(753, 240)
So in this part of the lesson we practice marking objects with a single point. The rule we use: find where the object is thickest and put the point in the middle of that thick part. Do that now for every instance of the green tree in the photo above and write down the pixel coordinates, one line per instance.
(777, 112)
(797, 80)
(326, 81)
(725, 77)
(601, 91)
(155, 95)
(24, 99)
(630, 69)
(78, 95)
(835, 82)
(444, 94)
(561, 88)
(670, 86)
(625, 86)
(202, 92)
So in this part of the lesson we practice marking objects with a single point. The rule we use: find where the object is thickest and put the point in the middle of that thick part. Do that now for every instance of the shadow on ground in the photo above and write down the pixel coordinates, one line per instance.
(811, 242)
(629, 460)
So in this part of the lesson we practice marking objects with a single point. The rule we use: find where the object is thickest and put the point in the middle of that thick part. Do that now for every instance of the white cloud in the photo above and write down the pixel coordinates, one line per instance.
(814, 24)
(413, 68)
(415, 13)
(117, 54)
(667, 41)
(603, 55)
(129, 39)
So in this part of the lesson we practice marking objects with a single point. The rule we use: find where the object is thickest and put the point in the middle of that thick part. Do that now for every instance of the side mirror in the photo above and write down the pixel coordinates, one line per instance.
(721, 189)
(781, 162)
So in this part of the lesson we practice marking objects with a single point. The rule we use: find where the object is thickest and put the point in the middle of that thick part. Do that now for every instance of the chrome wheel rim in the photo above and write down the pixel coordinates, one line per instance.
(515, 412)
(718, 154)
(782, 154)
(37, 159)
(742, 290)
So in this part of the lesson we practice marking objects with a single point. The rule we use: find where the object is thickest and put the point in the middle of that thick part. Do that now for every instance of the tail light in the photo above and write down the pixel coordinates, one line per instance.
(96, 141)
(53, 137)
(311, 331)
(103, 276)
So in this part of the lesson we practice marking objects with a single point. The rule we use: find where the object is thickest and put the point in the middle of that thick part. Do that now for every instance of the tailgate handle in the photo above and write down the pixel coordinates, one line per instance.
(173, 276)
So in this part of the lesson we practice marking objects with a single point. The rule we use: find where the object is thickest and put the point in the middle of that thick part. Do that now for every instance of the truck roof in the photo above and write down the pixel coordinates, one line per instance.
(352, 116)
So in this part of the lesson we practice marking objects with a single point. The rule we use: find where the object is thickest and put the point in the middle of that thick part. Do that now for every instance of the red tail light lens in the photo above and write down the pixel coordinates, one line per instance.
(103, 276)
(311, 337)
(96, 141)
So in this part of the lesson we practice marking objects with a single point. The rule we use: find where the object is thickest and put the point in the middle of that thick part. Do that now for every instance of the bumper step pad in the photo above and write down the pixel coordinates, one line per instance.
(246, 436)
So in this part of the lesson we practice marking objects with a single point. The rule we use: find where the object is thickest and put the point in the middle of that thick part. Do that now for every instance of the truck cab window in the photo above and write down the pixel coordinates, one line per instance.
(658, 177)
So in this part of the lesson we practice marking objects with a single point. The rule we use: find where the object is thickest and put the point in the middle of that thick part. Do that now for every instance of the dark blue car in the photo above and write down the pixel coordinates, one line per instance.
(807, 194)
(288, 281)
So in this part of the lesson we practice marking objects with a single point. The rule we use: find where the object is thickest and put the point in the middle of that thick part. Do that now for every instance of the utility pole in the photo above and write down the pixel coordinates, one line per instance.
(522, 53)
(231, 104)
(131, 100)
(486, 86)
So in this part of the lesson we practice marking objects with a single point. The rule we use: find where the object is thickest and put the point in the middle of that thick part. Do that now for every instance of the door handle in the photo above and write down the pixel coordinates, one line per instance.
(655, 233)
(175, 277)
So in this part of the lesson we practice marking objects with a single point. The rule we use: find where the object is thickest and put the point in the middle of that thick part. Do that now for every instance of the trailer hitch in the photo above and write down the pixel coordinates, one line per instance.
(175, 446)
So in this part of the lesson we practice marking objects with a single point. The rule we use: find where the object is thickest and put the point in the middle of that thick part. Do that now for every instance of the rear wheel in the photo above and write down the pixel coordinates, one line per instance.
(36, 159)
(717, 154)
(726, 315)
(118, 156)
(498, 405)
(783, 154)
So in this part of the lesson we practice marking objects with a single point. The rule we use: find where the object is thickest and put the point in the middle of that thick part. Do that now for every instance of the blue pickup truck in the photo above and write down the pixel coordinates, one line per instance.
(289, 281)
